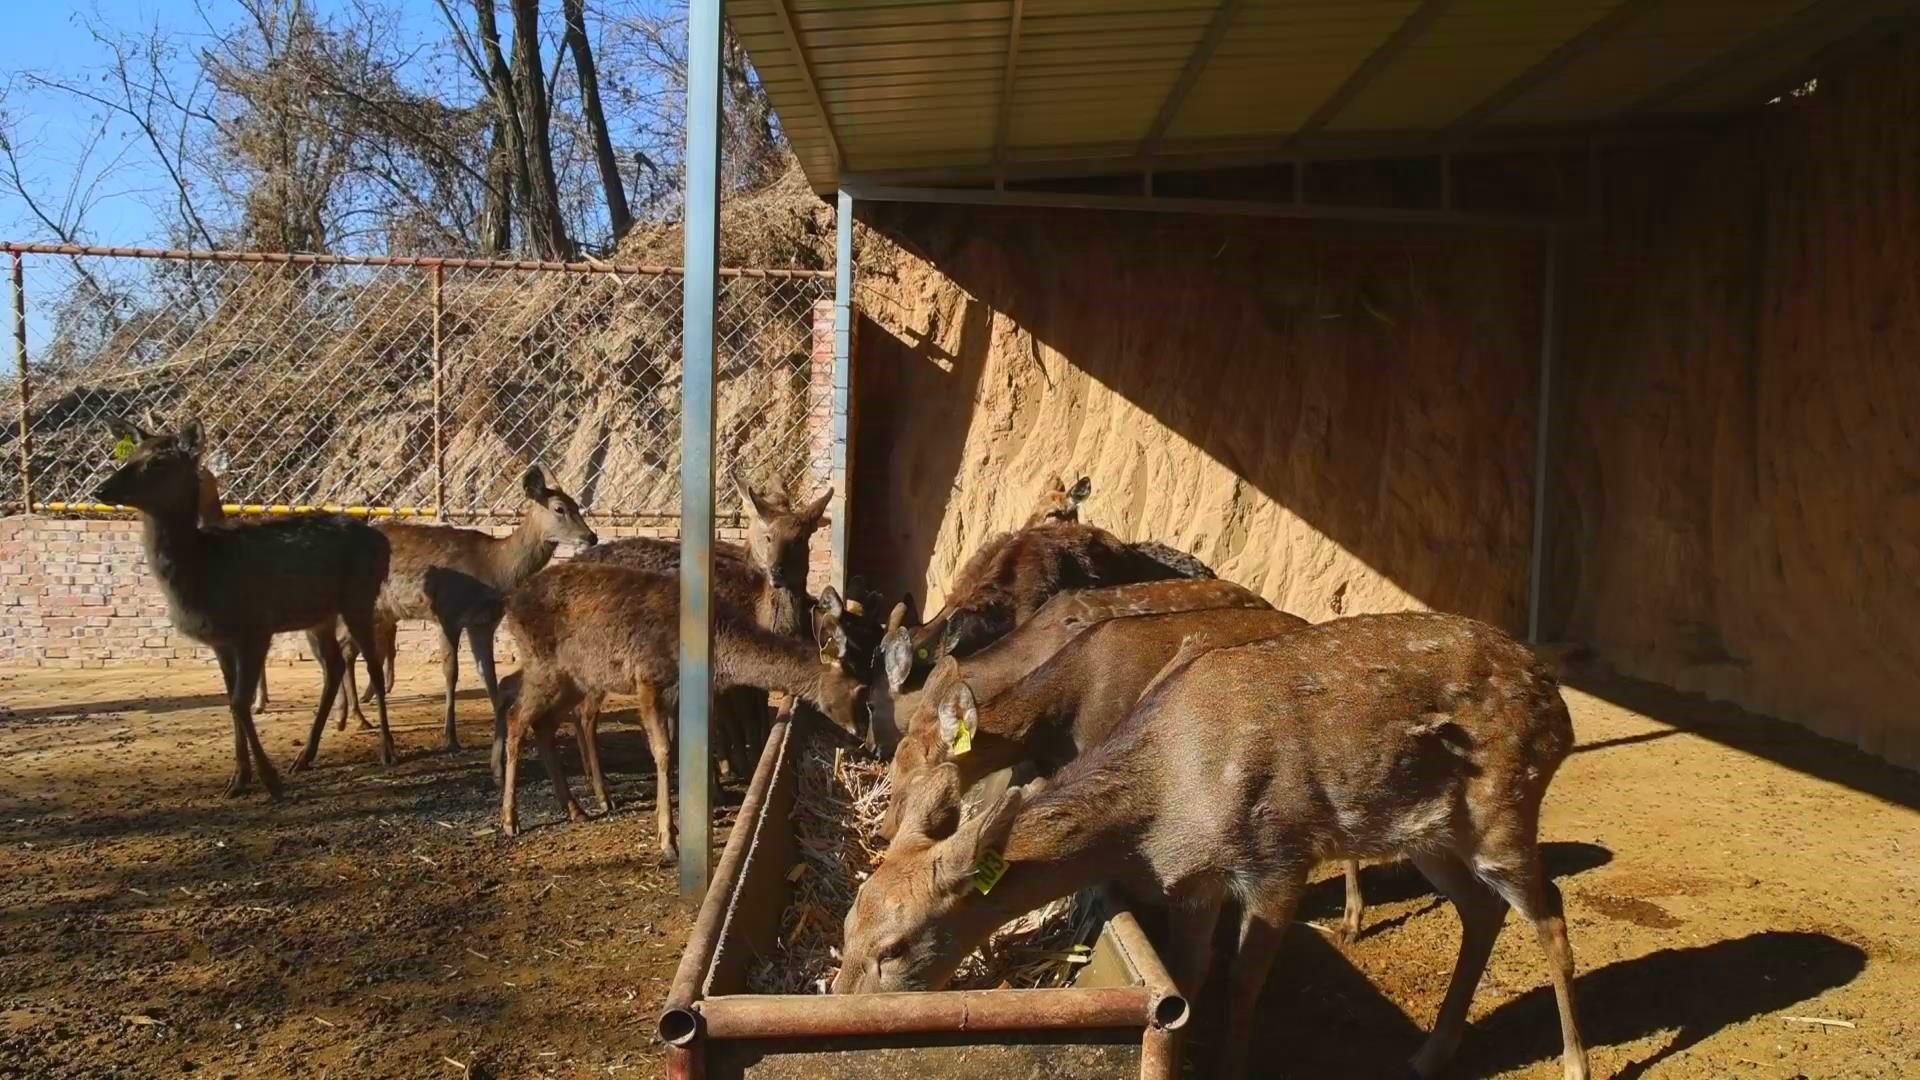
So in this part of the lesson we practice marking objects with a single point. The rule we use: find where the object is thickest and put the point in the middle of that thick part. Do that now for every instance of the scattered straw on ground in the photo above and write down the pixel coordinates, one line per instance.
(839, 805)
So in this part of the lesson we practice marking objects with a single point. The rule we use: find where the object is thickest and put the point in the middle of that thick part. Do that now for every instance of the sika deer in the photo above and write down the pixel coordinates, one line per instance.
(1430, 736)
(1008, 660)
(448, 575)
(768, 579)
(233, 589)
(588, 629)
(1012, 574)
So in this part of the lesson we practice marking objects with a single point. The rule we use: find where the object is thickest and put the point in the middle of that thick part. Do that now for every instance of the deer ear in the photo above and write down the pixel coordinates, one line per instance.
(1082, 488)
(959, 718)
(191, 439)
(534, 483)
(816, 511)
(1057, 487)
(897, 618)
(830, 603)
(757, 504)
(974, 858)
(897, 650)
(122, 428)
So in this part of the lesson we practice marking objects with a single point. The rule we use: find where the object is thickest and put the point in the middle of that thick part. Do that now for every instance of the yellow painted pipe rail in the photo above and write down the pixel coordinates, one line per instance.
(249, 508)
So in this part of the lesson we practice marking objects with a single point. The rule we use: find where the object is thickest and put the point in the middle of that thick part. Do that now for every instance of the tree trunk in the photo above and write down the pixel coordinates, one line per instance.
(506, 102)
(618, 213)
(496, 235)
(549, 229)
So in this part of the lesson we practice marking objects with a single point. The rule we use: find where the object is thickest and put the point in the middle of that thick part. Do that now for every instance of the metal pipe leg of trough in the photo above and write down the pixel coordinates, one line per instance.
(1160, 1053)
(687, 1062)
(700, 286)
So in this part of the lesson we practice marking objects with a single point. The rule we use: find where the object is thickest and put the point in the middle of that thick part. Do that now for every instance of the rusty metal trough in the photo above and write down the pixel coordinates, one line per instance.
(1119, 1020)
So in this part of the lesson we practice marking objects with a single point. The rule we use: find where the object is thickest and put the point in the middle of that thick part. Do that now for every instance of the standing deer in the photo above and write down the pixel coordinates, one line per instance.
(768, 578)
(1423, 735)
(233, 589)
(587, 629)
(1006, 581)
(451, 576)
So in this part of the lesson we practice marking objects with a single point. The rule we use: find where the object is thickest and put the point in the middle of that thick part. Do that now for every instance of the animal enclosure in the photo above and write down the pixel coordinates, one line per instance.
(413, 387)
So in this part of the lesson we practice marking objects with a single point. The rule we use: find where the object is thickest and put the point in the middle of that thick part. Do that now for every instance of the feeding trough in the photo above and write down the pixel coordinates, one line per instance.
(1118, 1019)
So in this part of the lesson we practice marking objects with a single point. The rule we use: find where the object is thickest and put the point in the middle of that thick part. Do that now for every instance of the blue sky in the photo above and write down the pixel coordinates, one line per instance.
(50, 37)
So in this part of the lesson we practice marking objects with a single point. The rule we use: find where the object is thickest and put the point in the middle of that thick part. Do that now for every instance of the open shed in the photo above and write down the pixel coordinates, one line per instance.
(1596, 320)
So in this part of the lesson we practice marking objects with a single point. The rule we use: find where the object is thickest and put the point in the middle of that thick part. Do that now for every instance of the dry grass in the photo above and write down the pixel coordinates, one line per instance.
(839, 805)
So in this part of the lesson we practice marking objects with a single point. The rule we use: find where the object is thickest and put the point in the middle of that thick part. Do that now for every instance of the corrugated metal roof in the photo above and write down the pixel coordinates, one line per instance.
(902, 86)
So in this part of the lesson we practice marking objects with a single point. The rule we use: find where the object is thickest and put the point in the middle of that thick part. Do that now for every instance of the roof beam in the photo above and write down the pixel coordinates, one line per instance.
(1742, 52)
(1370, 69)
(1570, 51)
(792, 34)
(1005, 119)
(1189, 75)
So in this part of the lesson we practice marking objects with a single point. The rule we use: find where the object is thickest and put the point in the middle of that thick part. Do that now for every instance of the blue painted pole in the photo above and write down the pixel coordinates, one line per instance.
(842, 384)
(699, 287)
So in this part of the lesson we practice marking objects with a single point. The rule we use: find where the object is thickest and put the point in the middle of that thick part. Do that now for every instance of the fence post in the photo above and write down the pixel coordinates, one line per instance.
(26, 387)
(439, 406)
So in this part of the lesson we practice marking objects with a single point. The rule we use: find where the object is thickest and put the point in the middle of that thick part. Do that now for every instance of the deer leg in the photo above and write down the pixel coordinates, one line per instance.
(480, 642)
(325, 643)
(1190, 926)
(350, 697)
(362, 629)
(389, 654)
(516, 729)
(660, 745)
(1481, 913)
(1264, 921)
(260, 704)
(250, 657)
(450, 667)
(556, 769)
(242, 778)
(1524, 884)
(586, 727)
(1349, 930)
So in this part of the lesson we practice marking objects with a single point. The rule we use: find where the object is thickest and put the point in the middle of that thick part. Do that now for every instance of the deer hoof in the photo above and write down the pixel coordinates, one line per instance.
(453, 745)
(668, 856)
(300, 764)
(238, 785)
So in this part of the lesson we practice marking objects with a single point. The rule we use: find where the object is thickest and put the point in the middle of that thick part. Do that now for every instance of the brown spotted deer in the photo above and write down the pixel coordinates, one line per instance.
(586, 629)
(446, 575)
(233, 589)
(1006, 581)
(767, 578)
(1006, 712)
(1009, 659)
(1427, 736)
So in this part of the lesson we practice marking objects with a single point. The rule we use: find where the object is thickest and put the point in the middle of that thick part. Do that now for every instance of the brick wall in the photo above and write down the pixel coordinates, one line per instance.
(76, 593)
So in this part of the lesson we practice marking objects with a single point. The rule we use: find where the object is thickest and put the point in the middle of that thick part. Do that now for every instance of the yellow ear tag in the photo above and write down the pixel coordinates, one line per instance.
(828, 659)
(922, 652)
(123, 449)
(993, 867)
(962, 740)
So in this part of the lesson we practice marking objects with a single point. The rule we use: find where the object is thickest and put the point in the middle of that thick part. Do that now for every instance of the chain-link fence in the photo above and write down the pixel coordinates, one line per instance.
(404, 386)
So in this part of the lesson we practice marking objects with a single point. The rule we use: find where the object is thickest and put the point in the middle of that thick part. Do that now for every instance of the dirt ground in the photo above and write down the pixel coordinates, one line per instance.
(1724, 875)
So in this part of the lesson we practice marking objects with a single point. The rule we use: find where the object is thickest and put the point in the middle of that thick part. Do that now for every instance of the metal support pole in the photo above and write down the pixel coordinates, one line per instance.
(842, 385)
(439, 398)
(1543, 429)
(26, 386)
(700, 286)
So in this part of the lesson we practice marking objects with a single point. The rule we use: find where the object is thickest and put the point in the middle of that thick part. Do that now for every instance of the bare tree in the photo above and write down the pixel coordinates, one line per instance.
(618, 214)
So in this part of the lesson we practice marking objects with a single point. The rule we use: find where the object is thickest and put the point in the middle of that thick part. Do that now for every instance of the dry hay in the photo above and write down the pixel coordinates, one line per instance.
(839, 803)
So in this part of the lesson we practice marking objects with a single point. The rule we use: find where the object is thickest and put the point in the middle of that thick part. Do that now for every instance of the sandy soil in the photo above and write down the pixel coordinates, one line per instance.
(1722, 873)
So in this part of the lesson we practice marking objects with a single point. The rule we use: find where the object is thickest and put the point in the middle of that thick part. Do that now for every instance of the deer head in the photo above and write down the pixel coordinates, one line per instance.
(160, 473)
(777, 534)
(925, 750)
(923, 909)
(1061, 503)
(554, 513)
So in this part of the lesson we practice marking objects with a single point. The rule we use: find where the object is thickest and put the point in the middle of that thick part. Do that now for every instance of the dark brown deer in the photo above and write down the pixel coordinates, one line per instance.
(1007, 580)
(767, 578)
(1428, 736)
(445, 575)
(1008, 660)
(233, 589)
(588, 629)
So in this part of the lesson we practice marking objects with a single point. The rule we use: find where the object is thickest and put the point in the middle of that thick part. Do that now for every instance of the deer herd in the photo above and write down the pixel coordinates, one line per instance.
(1082, 710)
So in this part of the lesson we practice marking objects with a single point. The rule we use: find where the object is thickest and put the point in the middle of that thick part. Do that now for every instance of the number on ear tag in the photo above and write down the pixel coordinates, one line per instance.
(993, 867)
(962, 738)
(123, 449)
